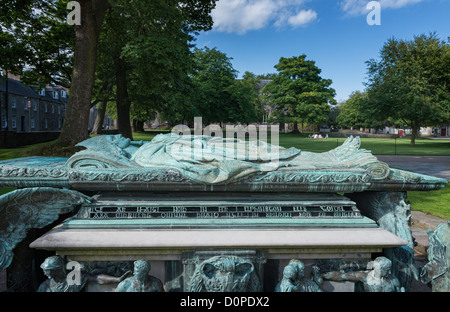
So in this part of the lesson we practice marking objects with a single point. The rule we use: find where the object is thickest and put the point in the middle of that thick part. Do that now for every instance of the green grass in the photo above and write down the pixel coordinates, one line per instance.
(435, 202)
(10, 153)
(423, 146)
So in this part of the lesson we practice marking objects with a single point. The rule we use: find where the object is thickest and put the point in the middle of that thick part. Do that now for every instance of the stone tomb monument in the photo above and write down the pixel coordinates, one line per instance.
(207, 217)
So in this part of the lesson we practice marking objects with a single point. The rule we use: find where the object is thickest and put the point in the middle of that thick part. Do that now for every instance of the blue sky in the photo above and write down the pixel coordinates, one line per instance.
(335, 34)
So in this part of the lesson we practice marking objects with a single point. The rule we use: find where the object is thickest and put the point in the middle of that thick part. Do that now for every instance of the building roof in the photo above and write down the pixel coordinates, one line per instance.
(17, 88)
(49, 96)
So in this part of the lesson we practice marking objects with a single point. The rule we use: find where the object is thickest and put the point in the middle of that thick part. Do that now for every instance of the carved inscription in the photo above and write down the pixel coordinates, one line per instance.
(214, 212)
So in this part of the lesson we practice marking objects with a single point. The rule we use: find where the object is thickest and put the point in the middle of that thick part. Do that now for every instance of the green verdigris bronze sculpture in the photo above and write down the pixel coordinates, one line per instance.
(294, 279)
(25, 209)
(377, 277)
(225, 274)
(50, 187)
(141, 281)
(54, 268)
(437, 270)
(215, 160)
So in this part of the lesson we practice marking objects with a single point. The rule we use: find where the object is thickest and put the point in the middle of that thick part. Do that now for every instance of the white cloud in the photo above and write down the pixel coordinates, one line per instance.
(240, 16)
(358, 7)
(304, 17)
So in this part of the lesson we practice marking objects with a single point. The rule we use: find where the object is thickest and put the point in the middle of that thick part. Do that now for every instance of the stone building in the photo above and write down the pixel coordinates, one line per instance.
(31, 109)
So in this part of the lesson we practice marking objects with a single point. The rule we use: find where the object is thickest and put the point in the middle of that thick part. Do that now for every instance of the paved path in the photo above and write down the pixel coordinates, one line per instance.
(438, 166)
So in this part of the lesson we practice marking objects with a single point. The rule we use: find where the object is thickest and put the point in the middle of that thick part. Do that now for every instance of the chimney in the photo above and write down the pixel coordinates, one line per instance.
(12, 76)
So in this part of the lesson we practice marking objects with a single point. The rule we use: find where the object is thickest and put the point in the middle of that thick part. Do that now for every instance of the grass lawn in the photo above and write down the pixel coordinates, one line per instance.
(423, 146)
(435, 202)
(426, 147)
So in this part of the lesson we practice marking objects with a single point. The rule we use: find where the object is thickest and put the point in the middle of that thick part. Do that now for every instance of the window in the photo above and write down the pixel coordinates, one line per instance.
(59, 123)
(25, 103)
(63, 94)
(32, 123)
(14, 123)
(53, 109)
(4, 122)
(14, 103)
(55, 95)
(46, 107)
(46, 123)
(59, 110)
(35, 105)
(42, 92)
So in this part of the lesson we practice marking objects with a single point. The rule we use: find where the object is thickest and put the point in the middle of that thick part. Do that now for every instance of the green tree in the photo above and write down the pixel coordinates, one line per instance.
(257, 99)
(356, 113)
(43, 61)
(57, 52)
(410, 82)
(298, 93)
(82, 58)
(149, 44)
(219, 97)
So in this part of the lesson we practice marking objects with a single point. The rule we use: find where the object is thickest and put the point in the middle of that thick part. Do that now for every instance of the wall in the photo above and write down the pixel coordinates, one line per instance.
(10, 139)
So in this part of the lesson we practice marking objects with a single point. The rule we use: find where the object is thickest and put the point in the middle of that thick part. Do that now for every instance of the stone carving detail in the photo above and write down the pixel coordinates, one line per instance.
(294, 279)
(376, 278)
(28, 208)
(214, 164)
(141, 281)
(437, 270)
(225, 274)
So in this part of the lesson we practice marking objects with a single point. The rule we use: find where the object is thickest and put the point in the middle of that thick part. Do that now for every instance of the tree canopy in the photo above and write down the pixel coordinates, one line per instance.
(219, 96)
(356, 112)
(36, 41)
(298, 93)
(411, 82)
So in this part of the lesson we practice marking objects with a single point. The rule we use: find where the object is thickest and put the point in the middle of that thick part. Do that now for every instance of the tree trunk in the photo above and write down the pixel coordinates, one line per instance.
(123, 100)
(101, 110)
(415, 128)
(138, 126)
(296, 130)
(76, 120)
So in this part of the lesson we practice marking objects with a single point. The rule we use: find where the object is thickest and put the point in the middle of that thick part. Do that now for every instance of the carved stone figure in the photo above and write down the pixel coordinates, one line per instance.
(215, 160)
(436, 270)
(141, 281)
(294, 279)
(225, 274)
(377, 277)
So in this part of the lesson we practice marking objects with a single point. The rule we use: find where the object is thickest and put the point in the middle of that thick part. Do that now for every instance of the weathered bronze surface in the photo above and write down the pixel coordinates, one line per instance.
(198, 185)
